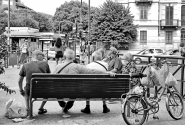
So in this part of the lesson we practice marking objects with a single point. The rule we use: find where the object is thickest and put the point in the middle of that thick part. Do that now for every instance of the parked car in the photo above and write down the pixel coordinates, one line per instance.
(51, 53)
(150, 52)
(172, 52)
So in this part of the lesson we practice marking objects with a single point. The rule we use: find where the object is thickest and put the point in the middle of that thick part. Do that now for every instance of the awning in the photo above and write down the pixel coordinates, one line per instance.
(45, 39)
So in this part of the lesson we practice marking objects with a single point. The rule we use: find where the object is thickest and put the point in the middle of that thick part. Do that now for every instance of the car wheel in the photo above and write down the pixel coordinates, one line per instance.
(138, 60)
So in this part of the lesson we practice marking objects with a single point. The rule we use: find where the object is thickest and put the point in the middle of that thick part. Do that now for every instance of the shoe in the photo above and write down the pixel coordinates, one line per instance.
(68, 106)
(42, 111)
(86, 110)
(106, 110)
(62, 104)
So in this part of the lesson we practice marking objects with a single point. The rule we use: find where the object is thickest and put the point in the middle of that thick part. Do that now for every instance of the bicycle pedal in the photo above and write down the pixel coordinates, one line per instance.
(155, 117)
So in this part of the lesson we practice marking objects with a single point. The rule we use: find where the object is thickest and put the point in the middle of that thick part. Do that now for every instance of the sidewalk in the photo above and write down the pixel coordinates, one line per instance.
(54, 116)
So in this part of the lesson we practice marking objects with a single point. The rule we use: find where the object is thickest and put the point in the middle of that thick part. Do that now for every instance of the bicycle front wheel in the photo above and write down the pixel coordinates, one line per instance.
(175, 105)
(134, 112)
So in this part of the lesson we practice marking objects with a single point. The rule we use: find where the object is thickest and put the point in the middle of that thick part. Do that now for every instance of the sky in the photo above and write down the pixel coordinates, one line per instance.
(49, 6)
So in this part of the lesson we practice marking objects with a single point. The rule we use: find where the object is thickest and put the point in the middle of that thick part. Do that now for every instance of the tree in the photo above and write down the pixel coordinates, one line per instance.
(113, 22)
(3, 52)
(68, 13)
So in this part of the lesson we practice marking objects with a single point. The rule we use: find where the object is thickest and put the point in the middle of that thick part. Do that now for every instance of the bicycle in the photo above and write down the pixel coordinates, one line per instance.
(136, 106)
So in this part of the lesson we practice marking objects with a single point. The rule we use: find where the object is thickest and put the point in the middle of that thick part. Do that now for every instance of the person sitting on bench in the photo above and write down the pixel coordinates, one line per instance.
(99, 65)
(68, 67)
(35, 66)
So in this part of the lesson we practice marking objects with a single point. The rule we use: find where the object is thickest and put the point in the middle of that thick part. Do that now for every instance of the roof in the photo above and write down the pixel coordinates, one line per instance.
(22, 5)
(24, 34)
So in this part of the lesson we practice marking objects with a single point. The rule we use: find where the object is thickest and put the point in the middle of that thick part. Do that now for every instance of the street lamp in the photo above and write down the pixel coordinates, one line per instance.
(89, 33)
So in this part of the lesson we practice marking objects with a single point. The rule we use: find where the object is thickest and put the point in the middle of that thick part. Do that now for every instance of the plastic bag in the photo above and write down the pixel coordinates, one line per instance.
(14, 109)
(146, 81)
(170, 80)
(164, 73)
(155, 77)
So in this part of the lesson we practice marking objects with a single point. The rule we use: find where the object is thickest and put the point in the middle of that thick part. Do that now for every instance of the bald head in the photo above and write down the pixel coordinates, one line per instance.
(97, 55)
(69, 54)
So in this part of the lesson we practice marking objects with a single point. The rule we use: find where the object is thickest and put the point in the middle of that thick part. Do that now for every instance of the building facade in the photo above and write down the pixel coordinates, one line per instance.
(159, 22)
(14, 4)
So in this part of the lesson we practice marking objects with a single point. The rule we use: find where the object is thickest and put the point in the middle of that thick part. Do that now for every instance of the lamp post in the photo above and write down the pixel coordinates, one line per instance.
(89, 23)
(8, 22)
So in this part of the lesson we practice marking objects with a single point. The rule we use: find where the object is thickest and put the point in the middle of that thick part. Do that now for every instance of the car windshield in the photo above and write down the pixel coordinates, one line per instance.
(52, 49)
(159, 50)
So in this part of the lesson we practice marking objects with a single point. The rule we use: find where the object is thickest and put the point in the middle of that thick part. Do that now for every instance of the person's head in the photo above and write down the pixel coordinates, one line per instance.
(38, 55)
(96, 56)
(101, 50)
(127, 57)
(58, 42)
(113, 52)
(181, 44)
(69, 54)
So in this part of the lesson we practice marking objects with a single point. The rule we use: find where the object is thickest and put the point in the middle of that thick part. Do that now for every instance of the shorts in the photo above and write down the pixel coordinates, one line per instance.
(27, 89)
(59, 54)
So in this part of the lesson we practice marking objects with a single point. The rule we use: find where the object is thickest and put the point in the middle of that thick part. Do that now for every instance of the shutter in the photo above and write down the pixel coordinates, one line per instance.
(171, 15)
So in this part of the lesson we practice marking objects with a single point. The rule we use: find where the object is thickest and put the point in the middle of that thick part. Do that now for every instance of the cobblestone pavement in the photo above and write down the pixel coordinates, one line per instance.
(54, 116)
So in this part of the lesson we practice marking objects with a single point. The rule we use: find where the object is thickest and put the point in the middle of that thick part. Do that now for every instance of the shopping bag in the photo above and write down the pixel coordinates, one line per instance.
(170, 80)
(164, 73)
(14, 109)
(146, 81)
(155, 77)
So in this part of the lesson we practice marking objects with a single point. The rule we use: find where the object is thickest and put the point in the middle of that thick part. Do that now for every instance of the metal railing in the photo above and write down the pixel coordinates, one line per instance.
(181, 66)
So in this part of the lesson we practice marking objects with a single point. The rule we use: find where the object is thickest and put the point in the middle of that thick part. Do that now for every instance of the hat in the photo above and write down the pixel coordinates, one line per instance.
(37, 52)
(114, 50)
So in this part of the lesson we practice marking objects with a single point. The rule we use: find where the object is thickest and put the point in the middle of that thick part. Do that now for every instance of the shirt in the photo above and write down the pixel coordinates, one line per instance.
(97, 66)
(74, 68)
(29, 68)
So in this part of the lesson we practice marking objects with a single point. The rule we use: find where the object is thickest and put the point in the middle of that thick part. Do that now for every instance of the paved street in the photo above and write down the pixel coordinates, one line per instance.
(55, 114)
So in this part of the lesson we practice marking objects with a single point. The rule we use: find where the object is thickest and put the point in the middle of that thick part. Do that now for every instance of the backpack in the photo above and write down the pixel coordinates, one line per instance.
(183, 51)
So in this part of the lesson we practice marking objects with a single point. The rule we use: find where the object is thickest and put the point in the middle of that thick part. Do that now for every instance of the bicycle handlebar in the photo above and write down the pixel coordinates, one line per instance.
(137, 75)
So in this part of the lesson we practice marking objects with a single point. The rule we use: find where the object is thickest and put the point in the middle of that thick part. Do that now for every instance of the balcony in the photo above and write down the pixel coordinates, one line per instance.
(169, 24)
(143, 2)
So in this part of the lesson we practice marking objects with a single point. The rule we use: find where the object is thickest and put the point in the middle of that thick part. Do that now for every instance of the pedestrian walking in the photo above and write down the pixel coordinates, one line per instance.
(23, 53)
(58, 50)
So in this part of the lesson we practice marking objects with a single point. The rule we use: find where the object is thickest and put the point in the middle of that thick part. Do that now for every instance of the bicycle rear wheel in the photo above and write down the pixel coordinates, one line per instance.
(134, 112)
(175, 105)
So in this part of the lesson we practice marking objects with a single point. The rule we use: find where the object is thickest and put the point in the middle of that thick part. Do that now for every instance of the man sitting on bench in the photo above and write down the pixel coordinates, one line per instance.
(68, 67)
(99, 65)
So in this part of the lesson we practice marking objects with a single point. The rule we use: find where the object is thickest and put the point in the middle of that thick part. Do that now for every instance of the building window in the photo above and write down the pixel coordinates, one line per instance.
(144, 12)
(143, 37)
(169, 15)
(168, 37)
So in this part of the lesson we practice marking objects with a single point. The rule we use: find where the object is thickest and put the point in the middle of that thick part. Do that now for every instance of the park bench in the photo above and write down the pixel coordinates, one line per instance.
(81, 87)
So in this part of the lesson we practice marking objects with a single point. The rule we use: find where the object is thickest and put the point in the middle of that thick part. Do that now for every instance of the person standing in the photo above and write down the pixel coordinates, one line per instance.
(24, 54)
(35, 66)
(99, 65)
(58, 50)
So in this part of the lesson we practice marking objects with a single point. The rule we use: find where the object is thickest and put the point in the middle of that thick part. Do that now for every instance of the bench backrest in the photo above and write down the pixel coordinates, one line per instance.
(78, 86)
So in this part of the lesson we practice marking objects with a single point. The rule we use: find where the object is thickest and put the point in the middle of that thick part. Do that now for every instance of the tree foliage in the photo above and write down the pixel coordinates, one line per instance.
(68, 12)
(26, 18)
(113, 22)
(3, 52)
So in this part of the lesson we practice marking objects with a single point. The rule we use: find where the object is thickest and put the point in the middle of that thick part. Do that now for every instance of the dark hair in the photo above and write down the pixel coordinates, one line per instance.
(58, 42)
(181, 45)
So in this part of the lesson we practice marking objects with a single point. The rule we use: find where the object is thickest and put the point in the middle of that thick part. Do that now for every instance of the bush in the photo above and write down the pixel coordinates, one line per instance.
(3, 51)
